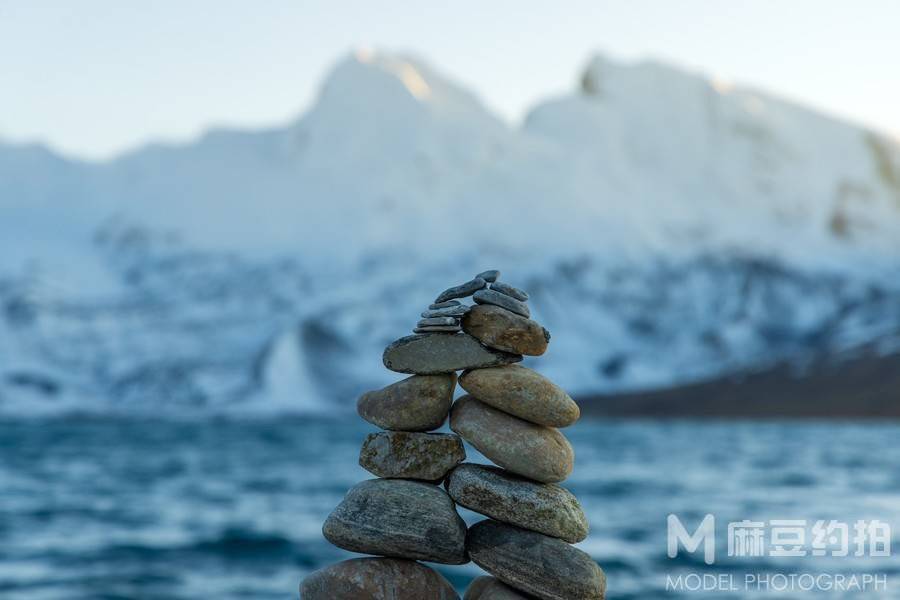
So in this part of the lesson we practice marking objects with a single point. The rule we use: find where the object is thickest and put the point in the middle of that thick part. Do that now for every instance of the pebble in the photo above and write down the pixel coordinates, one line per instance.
(417, 403)
(446, 304)
(438, 321)
(523, 393)
(431, 353)
(543, 507)
(490, 276)
(399, 518)
(503, 301)
(512, 292)
(491, 588)
(503, 330)
(534, 563)
(461, 291)
(377, 579)
(533, 451)
(449, 311)
(426, 456)
(438, 329)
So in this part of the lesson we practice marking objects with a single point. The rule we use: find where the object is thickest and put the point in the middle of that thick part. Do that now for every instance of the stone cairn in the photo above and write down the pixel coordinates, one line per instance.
(511, 415)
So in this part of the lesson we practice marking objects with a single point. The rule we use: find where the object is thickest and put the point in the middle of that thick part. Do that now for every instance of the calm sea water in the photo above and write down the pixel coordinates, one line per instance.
(136, 508)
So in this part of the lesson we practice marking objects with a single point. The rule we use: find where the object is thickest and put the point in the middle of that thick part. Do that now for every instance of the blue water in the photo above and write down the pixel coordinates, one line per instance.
(136, 508)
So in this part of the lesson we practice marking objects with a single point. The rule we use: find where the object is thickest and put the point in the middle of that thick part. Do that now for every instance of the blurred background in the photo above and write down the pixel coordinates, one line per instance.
(214, 217)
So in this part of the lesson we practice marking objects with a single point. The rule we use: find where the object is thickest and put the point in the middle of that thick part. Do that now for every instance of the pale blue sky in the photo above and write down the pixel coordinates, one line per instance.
(94, 77)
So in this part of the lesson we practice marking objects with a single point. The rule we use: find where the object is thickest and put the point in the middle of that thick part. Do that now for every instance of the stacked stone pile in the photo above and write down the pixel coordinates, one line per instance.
(512, 415)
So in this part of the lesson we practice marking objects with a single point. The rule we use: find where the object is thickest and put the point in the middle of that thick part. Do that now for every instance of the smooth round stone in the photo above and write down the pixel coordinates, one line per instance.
(533, 451)
(534, 563)
(432, 353)
(523, 393)
(490, 275)
(450, 311)
(504, 330)
(461, 291)
(446, 304)
(399, 518)
(427, 456)
(512, 292)
(417, 403)
(491, 588)
(376, 579)
(543, 507)
(503, 301)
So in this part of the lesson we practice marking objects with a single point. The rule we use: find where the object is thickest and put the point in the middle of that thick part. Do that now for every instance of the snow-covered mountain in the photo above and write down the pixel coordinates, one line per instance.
(670, 228)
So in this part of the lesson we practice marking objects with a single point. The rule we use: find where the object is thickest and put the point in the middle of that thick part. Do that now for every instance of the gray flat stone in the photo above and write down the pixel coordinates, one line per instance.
(449, 311)
(523, 393)
(534, 563)
(504, 330)
(533, 451)
(543, 507)
(438, 329)
(446, 304)
(417, 403)
(461, 291)
(512, 292)
(399, 518)
(376, 579)
(490, 276)
(491, 588)
(432, 353)
(438, 321)
(502, 300)
(426, 456)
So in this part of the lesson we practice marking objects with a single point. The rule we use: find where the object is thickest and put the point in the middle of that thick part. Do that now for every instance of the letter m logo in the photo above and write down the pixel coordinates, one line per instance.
(706, 533)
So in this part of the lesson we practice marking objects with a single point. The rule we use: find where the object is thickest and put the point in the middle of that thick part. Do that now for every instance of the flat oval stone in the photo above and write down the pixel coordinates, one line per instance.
(427, 456)
(504, 330)
(543, 507)
(428, 354)
(377, 579)
(449, 311)
(503, 301)
(461, 291)
(533, 451)
(490, 275)
(534, 563)
(438, 329)
(399, 518)
(417, 403)
(512, 292)
(491, 588)
(446, 304)
(523, 393)
(437, 321)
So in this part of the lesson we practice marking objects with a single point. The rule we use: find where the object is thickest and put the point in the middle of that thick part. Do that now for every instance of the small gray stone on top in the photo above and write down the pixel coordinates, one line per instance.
(437, 321)
(503, 301)
(446, 304)
(512, 292)
(461, 291)
(490, 276)
(450, 311)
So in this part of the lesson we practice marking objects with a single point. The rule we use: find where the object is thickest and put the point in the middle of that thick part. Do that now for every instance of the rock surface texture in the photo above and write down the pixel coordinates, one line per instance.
(511, 415)
(400, 518)
(427, 456)
(433, 353)
(534, 563)
(377, 579)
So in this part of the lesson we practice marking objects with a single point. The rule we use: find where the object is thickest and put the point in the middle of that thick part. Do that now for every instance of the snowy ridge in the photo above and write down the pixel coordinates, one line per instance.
(669, 228)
